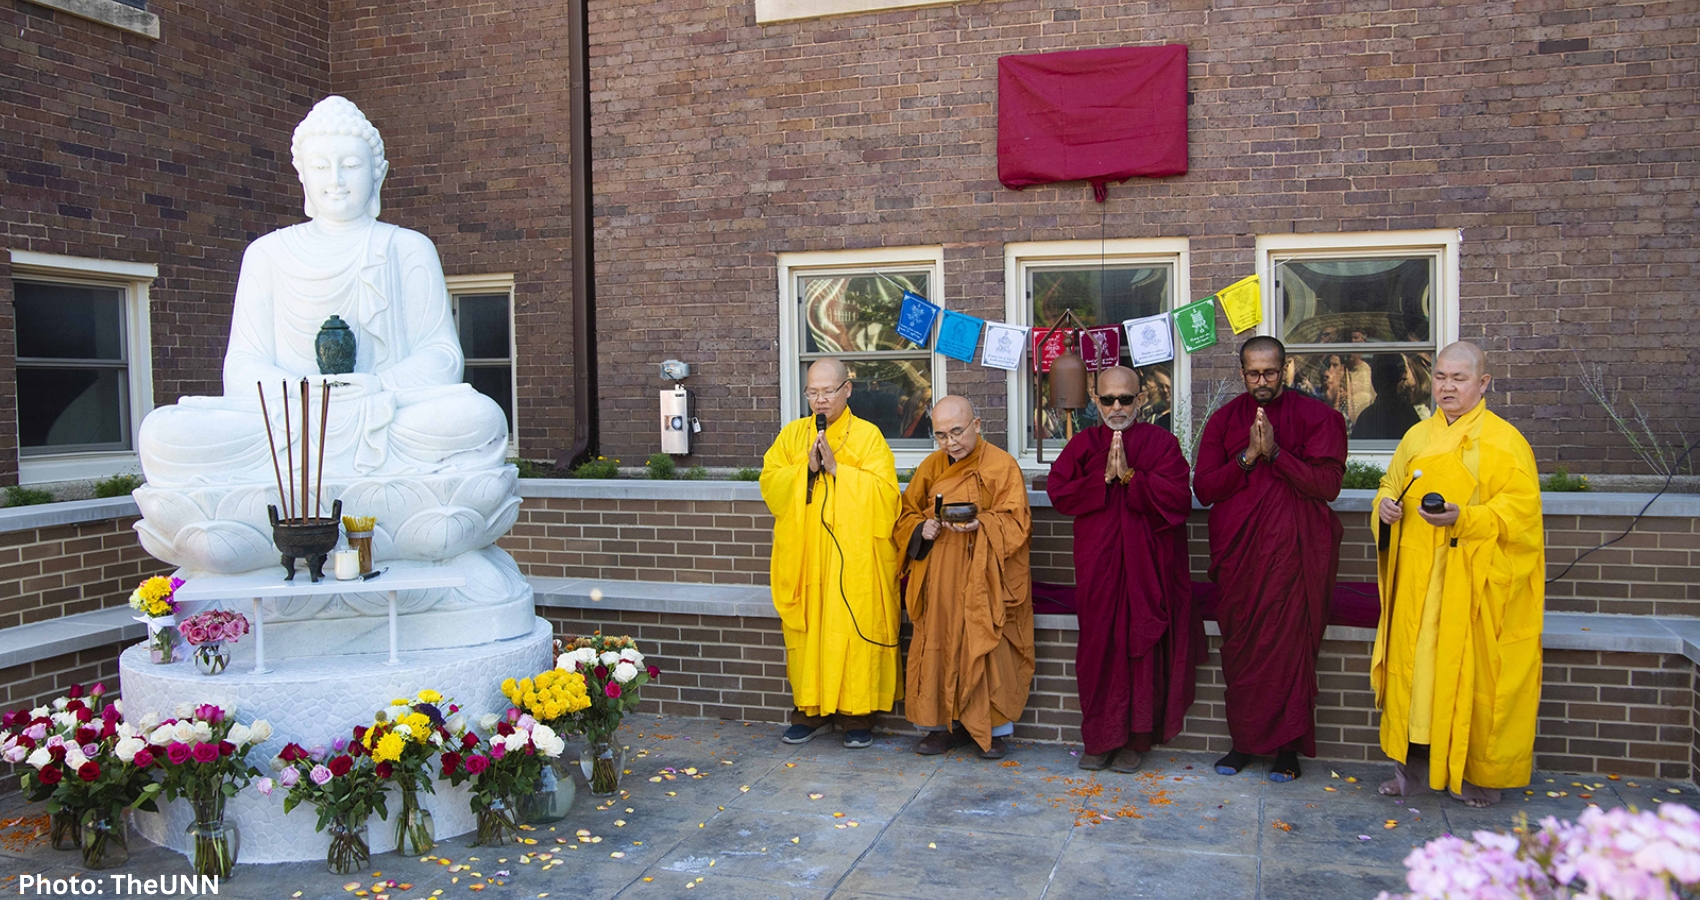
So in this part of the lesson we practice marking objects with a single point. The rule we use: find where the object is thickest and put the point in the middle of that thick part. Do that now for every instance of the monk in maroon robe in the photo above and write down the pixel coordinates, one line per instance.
(1125, 485)
(1269, 464)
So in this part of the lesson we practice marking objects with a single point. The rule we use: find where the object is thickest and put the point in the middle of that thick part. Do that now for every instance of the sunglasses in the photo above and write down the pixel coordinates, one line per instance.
(1126, 400)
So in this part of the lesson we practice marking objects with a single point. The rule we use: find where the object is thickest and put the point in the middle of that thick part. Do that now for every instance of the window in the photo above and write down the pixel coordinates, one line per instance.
(846, 305)
(83, 364)
(783, 10)
(483, 311)
(1390, 298)
(125, 15)
(1104, 283)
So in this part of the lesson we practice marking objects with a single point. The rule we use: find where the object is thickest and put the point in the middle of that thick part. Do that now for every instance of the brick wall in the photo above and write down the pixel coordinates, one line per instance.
(1602, 712)
(174, 152)
(1653, 571)
(60, 570)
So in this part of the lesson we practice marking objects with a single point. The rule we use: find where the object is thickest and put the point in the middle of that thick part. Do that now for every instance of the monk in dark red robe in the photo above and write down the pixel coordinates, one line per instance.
(1125, 485)
(1269, 464)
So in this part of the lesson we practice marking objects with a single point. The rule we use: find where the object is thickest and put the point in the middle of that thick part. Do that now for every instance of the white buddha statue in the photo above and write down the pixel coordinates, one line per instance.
(407, 441)
(404, 407)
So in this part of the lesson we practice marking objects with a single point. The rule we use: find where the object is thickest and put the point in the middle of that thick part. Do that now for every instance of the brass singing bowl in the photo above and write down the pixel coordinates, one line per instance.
(959, 512)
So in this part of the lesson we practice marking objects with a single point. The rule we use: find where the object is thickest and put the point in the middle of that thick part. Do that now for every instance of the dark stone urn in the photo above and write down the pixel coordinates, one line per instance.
(306, 538)
(334, 347)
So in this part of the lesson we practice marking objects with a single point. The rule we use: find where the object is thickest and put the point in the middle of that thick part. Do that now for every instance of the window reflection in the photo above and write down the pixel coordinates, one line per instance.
(854, 316)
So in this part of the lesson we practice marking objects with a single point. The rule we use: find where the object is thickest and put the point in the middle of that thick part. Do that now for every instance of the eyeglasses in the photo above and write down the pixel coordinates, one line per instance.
(1265, 375)
(955, 434)
(813, 395)
(1127, 400)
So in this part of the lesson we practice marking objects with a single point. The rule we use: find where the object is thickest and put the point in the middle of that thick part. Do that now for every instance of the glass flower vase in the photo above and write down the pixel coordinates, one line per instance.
(65, 830)
(415, 830)
(162, 640)
(213, 843)
(105, 843)
(496, 825)
(602, 761)
(349, 851)
(212, 657)
(552, 796)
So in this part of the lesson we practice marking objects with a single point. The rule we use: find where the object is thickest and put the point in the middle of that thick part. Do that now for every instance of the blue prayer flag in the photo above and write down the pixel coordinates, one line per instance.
(959, 335)
(915, 320)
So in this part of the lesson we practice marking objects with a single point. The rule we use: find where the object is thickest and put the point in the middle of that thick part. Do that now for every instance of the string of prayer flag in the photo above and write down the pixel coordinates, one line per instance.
(1243, 302)
(915, 319)
(1004, 343)
(959, 334)
(1149, 339)
(1196, 323)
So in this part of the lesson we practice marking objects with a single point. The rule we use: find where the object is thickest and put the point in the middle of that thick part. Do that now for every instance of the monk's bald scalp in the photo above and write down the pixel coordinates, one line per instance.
(834, 367)
(953, 408)
(1464, 351)
(1118, 380)
(1262, 343)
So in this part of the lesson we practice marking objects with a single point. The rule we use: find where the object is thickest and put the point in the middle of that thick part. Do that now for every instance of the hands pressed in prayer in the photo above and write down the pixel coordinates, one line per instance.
(821, 457)
(1115, 468)
(1262, 444)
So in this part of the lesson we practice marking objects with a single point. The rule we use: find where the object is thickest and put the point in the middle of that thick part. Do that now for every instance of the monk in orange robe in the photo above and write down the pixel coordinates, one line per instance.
(833, 494)
(1457, 661)
(970, 594)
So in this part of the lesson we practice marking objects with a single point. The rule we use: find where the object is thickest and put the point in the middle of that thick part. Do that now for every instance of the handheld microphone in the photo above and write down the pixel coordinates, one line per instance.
(820, 426)
(1384, 535)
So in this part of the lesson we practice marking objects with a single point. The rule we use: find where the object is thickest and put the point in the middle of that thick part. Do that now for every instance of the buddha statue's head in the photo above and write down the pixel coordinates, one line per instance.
(339, 157)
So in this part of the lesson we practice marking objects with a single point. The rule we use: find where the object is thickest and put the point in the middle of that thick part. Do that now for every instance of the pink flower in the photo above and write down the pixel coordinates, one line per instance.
(264, 786)
(144, 758)
(498, 749)
(289, 777)
(612, 689)
(320, 775)
(476, 764)
(205, 752)
(178, 752)
(209, 713)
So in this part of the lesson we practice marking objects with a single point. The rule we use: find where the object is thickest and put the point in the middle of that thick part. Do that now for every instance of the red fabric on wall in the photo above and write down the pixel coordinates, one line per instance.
(1092, 115)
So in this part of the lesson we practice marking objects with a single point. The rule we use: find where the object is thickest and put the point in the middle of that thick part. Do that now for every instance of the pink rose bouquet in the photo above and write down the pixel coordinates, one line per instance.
(214, 625)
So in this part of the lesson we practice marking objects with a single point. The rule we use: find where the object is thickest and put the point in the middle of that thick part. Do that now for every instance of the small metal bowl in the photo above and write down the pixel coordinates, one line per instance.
(959, 512)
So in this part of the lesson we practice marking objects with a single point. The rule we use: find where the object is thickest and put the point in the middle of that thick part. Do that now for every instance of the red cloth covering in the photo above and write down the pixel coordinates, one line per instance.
(1274, 552)
(1092, 115)
(1140, 634)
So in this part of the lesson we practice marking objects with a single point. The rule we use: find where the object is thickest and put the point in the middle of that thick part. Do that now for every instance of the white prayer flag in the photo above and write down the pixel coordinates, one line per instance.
(1149, 340)
(1004, 343)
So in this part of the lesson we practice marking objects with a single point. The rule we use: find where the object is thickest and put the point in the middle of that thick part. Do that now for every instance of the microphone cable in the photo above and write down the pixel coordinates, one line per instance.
(842, 593)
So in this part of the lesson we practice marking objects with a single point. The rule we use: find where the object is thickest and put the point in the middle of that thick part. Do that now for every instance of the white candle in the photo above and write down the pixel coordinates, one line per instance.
(347, 565)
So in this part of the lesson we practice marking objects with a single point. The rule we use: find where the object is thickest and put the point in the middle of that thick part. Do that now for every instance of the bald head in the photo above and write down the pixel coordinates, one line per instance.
(1119, 385)
(827, 388)
(1460, 379)
(955, 427)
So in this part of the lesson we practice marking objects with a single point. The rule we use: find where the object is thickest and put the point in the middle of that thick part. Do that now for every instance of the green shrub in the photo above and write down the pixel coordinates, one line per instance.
(695, 473)
(1363, 476)
(117, 486)
(903, 475)
(23, 496)
(747, 473)
(1563, 481)
(661, 467)
(600, 467)
(531, 468)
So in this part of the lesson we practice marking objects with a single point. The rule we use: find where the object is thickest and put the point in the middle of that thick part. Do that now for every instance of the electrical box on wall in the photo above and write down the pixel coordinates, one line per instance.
(677, 423)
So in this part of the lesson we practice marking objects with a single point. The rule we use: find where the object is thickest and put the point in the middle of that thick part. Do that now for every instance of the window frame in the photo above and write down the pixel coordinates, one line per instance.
(1018, 310)
(794, 265)
(1441, 243)
(134, 280)
(484, 285)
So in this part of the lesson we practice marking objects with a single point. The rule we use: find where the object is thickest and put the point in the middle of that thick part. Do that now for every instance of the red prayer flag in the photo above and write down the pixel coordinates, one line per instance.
(1100, 115)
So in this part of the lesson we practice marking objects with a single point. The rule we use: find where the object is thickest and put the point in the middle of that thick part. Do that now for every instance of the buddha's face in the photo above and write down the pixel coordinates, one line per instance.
(338, 176)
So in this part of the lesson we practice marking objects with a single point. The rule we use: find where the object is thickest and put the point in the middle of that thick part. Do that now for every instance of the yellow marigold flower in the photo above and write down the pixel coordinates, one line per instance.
(429, 696)
(419, 722)
(155, 588)
(389, 748)
(399, 701)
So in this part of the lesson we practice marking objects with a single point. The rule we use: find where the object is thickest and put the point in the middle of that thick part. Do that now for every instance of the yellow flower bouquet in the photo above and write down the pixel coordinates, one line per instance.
(402, 740)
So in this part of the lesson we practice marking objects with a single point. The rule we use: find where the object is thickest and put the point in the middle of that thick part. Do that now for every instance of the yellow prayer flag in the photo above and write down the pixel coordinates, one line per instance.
(1243, 302)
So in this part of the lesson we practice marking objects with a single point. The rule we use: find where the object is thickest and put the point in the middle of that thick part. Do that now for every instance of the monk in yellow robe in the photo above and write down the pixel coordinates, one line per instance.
(833, 494)
(1457, 660)
(970, 593)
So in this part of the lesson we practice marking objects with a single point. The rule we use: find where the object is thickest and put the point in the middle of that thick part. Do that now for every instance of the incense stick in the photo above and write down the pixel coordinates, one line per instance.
(271, 442)
(324, 413)
(306, 442)
(289, 450)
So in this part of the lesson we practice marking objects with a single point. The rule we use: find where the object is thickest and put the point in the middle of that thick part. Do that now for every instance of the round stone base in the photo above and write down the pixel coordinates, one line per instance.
(312, 701)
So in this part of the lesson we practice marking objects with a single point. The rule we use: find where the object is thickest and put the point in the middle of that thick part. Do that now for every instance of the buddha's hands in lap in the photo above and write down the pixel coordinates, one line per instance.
(353, 385)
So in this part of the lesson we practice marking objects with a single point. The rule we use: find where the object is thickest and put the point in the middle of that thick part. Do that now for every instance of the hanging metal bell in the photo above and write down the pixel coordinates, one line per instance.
(1068, 381)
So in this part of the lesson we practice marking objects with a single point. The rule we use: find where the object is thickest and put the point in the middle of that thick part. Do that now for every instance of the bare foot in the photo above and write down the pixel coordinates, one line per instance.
(1391, 788)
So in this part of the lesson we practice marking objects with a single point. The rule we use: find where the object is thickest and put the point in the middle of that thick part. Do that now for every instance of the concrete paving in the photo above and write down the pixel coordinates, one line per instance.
(760, 819)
